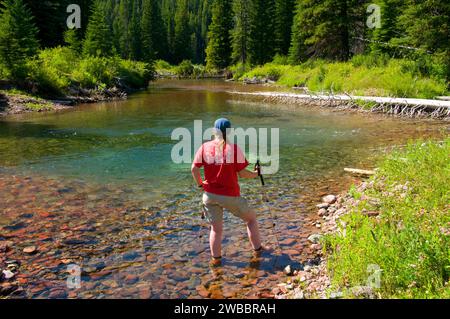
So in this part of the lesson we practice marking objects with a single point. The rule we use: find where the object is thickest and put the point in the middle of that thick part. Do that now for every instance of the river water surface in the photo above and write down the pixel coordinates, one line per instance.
(96, 187)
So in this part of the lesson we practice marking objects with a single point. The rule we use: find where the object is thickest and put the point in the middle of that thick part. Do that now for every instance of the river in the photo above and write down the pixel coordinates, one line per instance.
(96, 187)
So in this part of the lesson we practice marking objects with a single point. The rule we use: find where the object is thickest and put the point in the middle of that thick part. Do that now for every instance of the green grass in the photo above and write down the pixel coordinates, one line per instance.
(186, 69)
(362, 75)
(410, 240)
(38, 106)
(53, 71)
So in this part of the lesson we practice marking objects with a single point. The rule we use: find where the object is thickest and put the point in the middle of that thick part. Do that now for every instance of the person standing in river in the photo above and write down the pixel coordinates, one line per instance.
(223, 162)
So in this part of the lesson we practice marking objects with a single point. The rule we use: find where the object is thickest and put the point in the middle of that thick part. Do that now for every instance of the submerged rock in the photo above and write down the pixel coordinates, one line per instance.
(30, 250)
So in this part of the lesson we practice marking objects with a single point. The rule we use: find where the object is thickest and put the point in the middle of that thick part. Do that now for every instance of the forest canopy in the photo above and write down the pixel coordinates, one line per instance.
(221, 33)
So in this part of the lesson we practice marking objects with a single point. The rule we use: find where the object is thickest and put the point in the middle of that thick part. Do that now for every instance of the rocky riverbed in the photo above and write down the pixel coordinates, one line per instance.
(128, 250)
(313, 280)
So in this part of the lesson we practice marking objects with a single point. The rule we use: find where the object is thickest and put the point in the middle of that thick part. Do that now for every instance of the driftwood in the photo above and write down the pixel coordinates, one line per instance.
(359, 172)
(399, 107)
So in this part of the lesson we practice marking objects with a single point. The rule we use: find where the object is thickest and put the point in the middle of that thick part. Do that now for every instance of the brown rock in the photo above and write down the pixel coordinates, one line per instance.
(371, 213)
(203, 292)
(30, 250)
(292, 252)
(131, 279)
(57, 294)
(288, 242)
(322, 212)
(5, 246)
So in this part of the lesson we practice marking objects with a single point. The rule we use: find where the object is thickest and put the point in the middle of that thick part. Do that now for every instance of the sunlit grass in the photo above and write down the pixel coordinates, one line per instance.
(360, 76)
(410, 240)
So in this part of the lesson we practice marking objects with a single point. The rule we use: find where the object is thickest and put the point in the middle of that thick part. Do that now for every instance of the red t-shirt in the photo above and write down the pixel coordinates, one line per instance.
(221, 170)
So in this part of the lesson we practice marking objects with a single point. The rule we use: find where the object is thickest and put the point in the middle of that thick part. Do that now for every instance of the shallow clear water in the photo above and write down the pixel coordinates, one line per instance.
(96, 185)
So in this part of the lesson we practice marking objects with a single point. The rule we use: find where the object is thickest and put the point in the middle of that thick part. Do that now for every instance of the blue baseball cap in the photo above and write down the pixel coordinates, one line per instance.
(222, 125)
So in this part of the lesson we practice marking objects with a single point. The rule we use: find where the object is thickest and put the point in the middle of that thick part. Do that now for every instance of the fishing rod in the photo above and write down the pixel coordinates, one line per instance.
(265, 199)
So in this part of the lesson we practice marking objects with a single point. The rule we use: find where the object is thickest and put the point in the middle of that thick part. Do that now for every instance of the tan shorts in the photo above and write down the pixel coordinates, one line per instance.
(213, 206)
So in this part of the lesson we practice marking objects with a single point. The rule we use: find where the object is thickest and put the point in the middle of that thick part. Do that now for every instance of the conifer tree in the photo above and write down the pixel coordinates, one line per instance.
(182, 33)
(153, 32)
(261, 35)
(241, 31)
(325, 28)
(219, 49)
(284, 15)
(298, 50)
(121, 27)
(426, 26)
(135, 32)
(18, 36)
(73, 41)
(389, 29)
(98, 40)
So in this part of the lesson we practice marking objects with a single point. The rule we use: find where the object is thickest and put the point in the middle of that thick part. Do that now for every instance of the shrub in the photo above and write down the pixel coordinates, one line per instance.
(135, 74)
(52, 68)
(280, 59)
(185, 68)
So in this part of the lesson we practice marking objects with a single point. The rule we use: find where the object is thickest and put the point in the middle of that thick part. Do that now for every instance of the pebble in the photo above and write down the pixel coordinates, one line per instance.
(30, 250)
(288, 270)
(329, 199)
(315, 238)
(5, 246)
(57, 294)
(322, 212)
(299, 295)
(323, 206)
(8, 274)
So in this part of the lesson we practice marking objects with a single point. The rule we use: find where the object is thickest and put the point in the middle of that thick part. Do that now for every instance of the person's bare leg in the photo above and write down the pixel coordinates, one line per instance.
(253, 233)
(215, 239)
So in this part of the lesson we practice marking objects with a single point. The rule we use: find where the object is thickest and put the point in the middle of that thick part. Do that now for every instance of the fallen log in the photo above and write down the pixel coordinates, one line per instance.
(359, 172)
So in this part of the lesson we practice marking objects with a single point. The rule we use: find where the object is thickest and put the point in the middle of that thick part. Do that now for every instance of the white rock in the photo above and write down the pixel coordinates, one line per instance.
(315, 238)
(8, 274)
(330, 199)
(288, 270)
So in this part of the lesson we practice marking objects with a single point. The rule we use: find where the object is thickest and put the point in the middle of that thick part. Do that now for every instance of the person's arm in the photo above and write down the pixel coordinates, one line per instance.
(248, 174)
(197, 175)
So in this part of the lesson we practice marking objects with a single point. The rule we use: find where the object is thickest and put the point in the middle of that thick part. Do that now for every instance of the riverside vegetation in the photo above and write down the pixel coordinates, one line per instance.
(410, 238)
(398, 222)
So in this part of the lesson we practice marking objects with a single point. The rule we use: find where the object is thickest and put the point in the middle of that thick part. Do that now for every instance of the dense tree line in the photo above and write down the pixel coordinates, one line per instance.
(225, 32)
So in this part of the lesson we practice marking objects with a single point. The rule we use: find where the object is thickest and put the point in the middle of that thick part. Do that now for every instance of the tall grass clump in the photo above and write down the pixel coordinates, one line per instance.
(362, 75)
(410, 239)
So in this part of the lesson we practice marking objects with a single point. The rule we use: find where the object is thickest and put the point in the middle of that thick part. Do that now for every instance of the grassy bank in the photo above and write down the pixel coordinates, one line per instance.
(61, 71)
(410, 238)
(362, 75)
(185, 69)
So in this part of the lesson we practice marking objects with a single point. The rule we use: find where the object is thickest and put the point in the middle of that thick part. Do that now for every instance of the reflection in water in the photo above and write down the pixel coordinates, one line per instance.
(96, 187)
